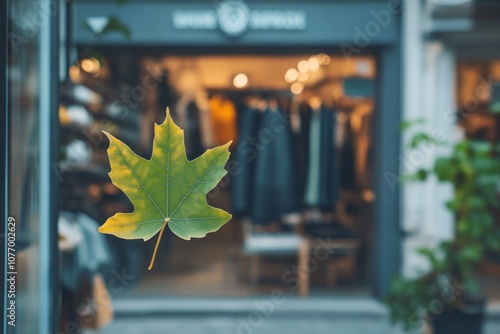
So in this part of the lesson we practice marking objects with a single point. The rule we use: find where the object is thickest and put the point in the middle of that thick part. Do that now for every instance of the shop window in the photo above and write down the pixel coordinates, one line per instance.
(301, 127)
(478, 107)
(29, 95)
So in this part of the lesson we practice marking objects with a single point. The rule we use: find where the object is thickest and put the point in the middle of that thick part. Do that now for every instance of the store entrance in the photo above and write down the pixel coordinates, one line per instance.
(301, 183)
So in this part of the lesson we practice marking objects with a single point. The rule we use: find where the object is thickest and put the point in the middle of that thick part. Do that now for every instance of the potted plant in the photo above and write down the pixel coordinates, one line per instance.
(448, 296)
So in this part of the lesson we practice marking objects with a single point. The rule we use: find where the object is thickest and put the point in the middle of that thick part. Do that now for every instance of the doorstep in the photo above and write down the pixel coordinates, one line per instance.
(493, 311)
(331, 307)
(355, 307)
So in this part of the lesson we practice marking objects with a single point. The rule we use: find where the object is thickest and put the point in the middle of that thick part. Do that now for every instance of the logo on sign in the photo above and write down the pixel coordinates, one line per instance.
(234, 17)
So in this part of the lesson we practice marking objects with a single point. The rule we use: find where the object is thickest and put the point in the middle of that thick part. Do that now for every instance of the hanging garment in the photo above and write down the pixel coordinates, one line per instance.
(274, 193)
(192, 131)
(206, 128)
(311, 196)
(358, 87)
(70, 234)
(187, 116)
(244, 156)
(329, 162)
(224, 120)
(301, 150)
(322, 187)
(165, 92)
(362, 143)
(192, 114)
(340, 130)
(347, 166)
(91, 253)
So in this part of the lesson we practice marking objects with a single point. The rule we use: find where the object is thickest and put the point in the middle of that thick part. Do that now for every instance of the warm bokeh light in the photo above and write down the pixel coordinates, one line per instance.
(75, 75)
(302, 77)
(297, 88)
(90, 65)
(291, 75)
(303, 66)
(313, 63)
(240, 80)
(324, 59)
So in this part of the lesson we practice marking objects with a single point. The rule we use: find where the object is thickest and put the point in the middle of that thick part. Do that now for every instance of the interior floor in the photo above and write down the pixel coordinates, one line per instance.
(217, 266)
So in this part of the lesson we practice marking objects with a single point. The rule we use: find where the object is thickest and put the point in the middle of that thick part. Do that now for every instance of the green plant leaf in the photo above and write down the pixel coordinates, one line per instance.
(421, 138)
(166, 189)
(444, 168)
(481, 147)
(432, 256)
(406, 124)
(419, 175)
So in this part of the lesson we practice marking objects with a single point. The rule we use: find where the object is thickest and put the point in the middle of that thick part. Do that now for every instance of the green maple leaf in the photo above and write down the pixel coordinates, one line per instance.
(166, 190)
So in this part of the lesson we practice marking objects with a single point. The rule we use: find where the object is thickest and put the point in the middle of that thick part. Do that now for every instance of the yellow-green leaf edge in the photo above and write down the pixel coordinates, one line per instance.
(167, 188)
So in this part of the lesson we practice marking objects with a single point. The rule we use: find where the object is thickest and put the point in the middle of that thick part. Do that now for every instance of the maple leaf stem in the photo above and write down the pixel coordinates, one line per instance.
(158, 244)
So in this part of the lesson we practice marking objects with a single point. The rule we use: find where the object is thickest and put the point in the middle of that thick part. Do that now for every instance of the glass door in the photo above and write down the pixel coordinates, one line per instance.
(30, 96)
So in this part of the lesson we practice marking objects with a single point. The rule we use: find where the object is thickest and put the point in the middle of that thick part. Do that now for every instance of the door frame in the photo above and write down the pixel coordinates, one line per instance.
(386, 246)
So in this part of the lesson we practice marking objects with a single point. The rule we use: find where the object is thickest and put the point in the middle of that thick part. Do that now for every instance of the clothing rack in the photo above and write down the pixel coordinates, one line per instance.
(259, 92)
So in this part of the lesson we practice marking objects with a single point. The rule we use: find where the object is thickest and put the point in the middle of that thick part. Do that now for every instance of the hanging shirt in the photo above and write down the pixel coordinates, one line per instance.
(88, 256)
(363, 144)
(348, 175)
(301, 150)
(329, 162)
(323, 179)
(274, 193)
(192, 114)
(311, 196)
(194, 147)
(244, 156)
(224, 120)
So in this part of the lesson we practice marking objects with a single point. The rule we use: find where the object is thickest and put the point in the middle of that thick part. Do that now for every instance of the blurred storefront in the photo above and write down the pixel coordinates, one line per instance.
(226, 71)
(29, 95)
(451, 75)
(312, 95)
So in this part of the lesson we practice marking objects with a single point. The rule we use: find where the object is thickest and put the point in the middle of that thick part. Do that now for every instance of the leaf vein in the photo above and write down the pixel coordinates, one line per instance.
(196, 183)
(139, 223)
(138, 180)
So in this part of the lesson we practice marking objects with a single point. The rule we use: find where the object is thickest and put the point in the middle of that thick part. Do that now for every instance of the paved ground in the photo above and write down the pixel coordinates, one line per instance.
(229, 325)
(258, 316)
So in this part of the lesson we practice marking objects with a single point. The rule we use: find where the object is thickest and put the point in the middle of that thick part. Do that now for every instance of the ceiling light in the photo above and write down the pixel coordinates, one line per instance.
(303, 66)
(291, 75)
(313, 63)
(303, 76)
(75, 75)
(90, 65)
(325, 59)
(314, 102)
(240, 80)
(297, 88)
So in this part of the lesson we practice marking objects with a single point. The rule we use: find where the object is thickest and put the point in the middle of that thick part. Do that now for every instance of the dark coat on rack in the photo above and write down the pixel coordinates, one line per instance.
(274, 178)
(244, 156)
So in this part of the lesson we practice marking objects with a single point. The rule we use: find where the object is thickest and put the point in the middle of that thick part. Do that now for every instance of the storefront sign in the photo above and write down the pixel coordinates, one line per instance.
(234, 17)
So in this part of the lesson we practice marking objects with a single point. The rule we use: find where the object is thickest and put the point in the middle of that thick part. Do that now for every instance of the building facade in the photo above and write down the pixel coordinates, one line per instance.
(416, 46)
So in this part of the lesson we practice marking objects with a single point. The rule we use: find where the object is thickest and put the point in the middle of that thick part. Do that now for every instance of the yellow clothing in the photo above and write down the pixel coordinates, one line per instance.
(223, 120)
